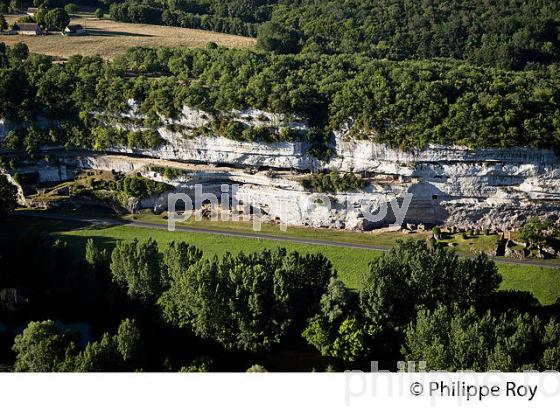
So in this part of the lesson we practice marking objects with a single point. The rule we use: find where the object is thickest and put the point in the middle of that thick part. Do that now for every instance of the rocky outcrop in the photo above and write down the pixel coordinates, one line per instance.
(20, 197)
(452, 185)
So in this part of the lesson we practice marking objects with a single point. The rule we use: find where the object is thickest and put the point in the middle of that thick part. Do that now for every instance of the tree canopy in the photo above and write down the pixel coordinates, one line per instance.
(510, 34)
(8, 196)
(246, 302)
(451, 340)
(404, 104)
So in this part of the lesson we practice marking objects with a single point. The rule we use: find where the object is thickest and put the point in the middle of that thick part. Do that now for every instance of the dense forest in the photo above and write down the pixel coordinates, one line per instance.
(405, 104)
(508, 34)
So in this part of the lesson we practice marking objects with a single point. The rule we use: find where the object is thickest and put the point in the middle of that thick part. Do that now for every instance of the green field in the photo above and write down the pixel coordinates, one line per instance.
(351, 264)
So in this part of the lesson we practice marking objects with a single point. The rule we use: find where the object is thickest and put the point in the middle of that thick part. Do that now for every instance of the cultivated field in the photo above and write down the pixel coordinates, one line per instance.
(110, 38)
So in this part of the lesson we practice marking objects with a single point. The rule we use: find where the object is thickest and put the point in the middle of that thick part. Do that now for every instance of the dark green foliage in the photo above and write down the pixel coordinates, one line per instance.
(3, 23)
(99, 13)
(56, 19)
(71, 8)
(105, 137)
(536, 232)
(451, 340)
(246, 302)
(275, 37)
(262, 303)
(136, 266)
(8, 196)
(238, 17)
(178, 258)
(95, 257)
(140, 187)
(167, 172)
(42, 347)
(198, 365)
(412, 275)
(333, 182)
(404, 104)
(236, 130)
(144, 272)
(505, 34)
(19, 51)
(335, 331)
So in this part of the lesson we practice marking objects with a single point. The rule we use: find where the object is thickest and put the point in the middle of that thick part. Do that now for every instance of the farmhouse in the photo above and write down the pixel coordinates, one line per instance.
(27, 29)
(74, 30)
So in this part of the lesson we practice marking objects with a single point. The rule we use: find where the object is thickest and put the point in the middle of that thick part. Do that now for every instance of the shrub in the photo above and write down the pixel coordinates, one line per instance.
(71, 8)
(333, 182)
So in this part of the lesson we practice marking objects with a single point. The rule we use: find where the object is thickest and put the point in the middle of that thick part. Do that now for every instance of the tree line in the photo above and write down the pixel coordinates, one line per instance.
(405, 104)
(416, 303)
(510, 34)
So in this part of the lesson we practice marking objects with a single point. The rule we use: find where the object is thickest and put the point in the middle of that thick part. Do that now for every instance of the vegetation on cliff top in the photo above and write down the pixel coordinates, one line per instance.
(404, 104)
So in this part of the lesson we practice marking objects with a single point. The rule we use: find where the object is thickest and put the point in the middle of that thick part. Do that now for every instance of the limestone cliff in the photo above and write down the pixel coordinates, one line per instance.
(451, 185)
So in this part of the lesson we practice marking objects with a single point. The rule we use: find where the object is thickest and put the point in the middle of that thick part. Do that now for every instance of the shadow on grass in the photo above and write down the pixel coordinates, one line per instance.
(77, 244)
(108, 33)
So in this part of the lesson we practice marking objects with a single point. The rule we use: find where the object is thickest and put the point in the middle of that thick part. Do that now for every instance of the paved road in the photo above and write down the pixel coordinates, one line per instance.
(253, 235)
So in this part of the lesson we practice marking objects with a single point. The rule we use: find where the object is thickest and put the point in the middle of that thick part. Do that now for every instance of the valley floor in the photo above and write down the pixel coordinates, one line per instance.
(350, 259)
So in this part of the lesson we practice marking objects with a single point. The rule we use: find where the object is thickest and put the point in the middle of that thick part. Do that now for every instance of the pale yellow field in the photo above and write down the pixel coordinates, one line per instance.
(110, 38)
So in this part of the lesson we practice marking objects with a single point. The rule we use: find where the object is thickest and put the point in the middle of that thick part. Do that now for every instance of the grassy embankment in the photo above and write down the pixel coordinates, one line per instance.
(351, 264)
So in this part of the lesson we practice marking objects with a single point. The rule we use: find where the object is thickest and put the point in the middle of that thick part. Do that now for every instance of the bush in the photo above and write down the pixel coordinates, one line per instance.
(333, 182)
(537, 232)
(71, 8)
(277, 38)
(99, 13)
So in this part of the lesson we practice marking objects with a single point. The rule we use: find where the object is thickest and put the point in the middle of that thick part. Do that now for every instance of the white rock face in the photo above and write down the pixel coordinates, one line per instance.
(452, 185)
(219, 150)
(20, 197)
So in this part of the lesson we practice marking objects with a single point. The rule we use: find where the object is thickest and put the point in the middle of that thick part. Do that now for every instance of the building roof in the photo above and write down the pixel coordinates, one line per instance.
(32, 9)
(27, 27)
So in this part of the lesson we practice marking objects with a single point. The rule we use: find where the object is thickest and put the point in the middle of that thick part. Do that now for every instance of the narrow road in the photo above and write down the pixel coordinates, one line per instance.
(255, 235)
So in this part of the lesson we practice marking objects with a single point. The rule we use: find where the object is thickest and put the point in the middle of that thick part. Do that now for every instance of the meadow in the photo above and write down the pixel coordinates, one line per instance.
(109, 38)
(351, 264)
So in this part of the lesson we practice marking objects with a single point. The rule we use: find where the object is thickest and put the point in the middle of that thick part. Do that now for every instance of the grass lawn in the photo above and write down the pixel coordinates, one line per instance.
(543, 283)
(110, 38)
(351, 264)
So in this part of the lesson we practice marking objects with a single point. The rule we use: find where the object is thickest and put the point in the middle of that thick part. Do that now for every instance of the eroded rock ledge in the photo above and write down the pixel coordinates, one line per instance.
(451, 185)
